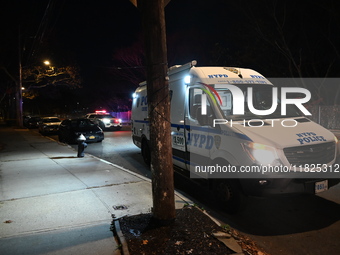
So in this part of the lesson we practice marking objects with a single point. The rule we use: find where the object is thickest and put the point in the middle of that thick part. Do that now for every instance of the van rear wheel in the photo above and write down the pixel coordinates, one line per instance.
(229, 196)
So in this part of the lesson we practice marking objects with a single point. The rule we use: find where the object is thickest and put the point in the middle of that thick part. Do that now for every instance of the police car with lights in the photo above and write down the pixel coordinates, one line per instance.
(229, 128)
(105, 120)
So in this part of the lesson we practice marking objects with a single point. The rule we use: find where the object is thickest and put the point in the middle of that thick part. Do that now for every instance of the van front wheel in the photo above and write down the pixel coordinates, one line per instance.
(228, 195)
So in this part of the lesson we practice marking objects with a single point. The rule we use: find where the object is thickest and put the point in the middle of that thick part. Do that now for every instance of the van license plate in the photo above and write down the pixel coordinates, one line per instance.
(178, 140)
(321, 186)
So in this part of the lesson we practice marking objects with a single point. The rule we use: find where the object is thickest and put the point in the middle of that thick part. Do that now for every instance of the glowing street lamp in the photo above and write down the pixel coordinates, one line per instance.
(49, 67)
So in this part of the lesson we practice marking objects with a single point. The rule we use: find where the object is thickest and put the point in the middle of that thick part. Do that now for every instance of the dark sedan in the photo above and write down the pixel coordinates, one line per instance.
(31, 122)
(71, 129)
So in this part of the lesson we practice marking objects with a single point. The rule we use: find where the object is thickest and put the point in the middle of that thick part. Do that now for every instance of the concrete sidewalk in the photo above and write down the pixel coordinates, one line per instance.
(52, 202)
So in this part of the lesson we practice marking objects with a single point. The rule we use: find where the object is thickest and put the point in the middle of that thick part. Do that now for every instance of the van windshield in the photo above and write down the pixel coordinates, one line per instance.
(262, 96)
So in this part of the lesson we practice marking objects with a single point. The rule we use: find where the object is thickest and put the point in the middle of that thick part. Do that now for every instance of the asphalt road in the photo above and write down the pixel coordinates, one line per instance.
(295, 225)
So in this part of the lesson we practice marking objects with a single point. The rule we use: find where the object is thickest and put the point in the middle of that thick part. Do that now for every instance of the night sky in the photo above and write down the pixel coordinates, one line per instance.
(277, 38)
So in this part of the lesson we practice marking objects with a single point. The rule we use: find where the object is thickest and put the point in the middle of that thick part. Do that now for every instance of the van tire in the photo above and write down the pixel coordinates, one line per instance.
(146, 152)
(229, 196)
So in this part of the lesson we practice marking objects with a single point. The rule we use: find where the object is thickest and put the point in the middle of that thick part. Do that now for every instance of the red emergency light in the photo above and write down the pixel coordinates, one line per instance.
(101, 111)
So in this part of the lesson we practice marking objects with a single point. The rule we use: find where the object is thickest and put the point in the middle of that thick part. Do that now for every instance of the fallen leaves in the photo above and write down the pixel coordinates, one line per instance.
(248, 245)
(190, 233)
(193, 232)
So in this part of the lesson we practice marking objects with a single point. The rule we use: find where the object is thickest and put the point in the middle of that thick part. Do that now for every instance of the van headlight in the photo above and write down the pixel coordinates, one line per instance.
(262, 154)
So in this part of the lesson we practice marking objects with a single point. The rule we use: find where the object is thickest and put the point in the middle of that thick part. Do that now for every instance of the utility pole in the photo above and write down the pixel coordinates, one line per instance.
(153, 20)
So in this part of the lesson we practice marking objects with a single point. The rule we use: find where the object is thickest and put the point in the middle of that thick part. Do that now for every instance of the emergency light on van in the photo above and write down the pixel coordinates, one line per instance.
(187, 79)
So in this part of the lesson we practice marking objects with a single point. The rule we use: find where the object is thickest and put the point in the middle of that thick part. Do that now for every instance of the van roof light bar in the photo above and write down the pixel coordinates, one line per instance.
(179, 68)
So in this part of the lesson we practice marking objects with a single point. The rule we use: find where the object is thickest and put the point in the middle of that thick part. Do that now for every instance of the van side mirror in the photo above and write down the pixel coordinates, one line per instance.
(203, 120)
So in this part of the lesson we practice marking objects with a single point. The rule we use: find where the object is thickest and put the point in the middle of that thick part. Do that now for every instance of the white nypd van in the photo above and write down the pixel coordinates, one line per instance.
(229, 128)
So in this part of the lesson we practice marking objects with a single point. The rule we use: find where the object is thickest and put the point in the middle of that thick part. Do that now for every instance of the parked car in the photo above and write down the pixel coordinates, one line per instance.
(105, 120)
(49, 125)
(71, 129)
(31, 122)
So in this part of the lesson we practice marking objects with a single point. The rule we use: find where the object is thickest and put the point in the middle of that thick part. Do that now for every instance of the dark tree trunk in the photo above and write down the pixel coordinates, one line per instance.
(159, 109)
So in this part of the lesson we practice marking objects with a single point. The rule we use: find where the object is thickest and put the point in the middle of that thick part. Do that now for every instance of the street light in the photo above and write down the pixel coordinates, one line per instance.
(50, 68)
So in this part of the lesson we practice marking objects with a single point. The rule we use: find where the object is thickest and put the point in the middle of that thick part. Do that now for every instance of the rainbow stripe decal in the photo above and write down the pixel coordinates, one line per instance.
(211, 91)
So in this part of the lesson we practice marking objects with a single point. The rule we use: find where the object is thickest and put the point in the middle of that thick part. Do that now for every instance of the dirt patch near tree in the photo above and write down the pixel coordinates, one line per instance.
(190, 233)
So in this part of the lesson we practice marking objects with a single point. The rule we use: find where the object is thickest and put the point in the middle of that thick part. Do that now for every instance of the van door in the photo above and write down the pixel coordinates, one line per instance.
(198, 140)
(177, 99)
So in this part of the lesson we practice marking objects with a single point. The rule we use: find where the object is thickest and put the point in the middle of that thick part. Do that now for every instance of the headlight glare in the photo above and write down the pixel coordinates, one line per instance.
(261, 154)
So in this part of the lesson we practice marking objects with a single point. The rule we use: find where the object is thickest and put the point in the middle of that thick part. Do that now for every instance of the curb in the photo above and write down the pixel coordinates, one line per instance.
(121, 239)
(235, 246)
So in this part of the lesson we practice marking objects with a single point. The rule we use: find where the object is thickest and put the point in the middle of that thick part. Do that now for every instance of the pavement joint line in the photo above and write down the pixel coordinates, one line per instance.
(113, 184)
(44, 230)
(68, 191)
(43, 195)
(138, 175)
(122, 168)
(10, 160)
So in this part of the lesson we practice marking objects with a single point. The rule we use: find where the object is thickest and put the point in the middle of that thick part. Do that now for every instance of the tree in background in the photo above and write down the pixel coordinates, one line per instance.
(129, 63)
(37, 77)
